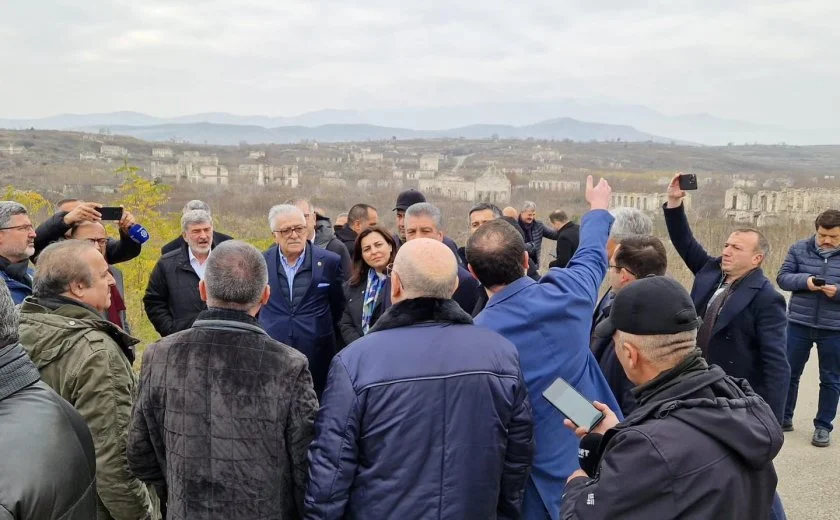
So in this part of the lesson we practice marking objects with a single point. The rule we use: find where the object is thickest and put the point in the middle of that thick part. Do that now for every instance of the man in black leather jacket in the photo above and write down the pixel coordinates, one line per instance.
(49, 465)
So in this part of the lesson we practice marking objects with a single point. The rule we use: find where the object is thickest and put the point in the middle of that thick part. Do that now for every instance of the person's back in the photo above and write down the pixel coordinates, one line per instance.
(427, 416)
(49, 463)
(549, 322)
(224, 446)
(224, 413)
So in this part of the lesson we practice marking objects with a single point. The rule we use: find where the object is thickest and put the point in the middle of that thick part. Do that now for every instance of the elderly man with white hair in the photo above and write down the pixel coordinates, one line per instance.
(425, 390)
(307, 298)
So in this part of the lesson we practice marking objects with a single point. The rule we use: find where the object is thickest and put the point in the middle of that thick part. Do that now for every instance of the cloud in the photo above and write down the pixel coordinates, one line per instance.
(767, 61)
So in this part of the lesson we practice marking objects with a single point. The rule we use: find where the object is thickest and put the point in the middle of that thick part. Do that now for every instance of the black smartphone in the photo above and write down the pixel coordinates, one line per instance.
(819, 282)
(688, 181)
(110, 212)
(574, 406)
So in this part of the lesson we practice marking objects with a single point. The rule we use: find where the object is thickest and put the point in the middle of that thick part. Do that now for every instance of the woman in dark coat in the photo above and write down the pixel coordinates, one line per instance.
(366, 293)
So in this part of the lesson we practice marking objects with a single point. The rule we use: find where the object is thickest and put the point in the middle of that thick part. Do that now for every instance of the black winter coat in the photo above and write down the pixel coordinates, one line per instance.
(49, 463)
(179, 242)
(749, 336)
(325, 238)
(568, 239)
(351, 320)
(234, 443)
(172, 301)
(54, 228)
(347, 237)
(700, 445)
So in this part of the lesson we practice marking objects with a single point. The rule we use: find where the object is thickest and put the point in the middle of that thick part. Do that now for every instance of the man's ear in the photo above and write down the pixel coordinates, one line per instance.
(202, 290)
(472, 272)
(265, 295)
(396, 286)
(525, 261)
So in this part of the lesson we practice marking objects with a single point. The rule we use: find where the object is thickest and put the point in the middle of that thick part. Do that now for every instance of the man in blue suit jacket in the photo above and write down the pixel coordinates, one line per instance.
(744, 322)
(306, 292)
(549, 323)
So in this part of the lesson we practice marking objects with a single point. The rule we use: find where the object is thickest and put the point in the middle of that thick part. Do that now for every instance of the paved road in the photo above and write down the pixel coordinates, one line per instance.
(809, 477)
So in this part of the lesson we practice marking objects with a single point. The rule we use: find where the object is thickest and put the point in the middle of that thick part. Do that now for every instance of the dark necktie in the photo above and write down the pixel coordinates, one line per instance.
(709, 319)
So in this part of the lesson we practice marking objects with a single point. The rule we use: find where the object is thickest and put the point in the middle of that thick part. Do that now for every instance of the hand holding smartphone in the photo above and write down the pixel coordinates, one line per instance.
(574, 406)
(688, 181)
(110, 212)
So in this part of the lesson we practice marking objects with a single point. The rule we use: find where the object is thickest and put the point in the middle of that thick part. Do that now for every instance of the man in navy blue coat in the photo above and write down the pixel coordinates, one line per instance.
(743, 315)
(426, 416)
(549, 322)
(306, 292)
(422, 220)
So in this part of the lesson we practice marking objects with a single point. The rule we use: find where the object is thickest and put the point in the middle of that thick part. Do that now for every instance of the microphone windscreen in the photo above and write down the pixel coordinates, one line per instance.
(589, 453)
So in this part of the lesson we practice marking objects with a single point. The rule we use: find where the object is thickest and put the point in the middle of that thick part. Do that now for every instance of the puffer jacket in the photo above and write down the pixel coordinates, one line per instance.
(325, 239)
(810, 308)
(18, 290)
(425, 417)
(49, 466)
(83, 357)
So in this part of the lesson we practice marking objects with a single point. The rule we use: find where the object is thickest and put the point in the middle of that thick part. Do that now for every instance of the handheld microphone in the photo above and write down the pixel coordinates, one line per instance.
(589, 453)
(138, 233)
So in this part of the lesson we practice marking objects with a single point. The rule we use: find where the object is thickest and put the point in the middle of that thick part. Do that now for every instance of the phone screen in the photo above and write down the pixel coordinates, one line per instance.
(573, 405)
(111, 212)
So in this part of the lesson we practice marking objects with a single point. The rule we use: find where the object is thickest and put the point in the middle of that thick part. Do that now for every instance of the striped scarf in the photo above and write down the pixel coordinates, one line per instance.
(374, 285)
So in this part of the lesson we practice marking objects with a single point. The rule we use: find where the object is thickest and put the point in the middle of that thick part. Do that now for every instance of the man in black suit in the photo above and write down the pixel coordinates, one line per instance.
(744, 322)
(178, 243)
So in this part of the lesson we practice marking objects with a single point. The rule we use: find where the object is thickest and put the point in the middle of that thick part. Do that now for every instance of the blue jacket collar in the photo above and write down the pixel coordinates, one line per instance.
(510, 290)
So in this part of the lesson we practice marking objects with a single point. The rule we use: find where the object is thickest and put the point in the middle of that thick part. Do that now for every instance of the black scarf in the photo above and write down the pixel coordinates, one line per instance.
(421, 310)
(660, 384)
(18, 271)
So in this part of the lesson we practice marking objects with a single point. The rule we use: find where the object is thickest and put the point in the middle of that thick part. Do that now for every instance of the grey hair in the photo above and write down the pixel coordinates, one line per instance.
(663, 350)
(424, 209)
(195, 216)
(8, 209)
(196, 204)
(528, 206)
(236, 275)
(295, 202)
(486, 206)
(283, 210)
(59, 265)
(8, 316)
(630, 222)
(763, 245)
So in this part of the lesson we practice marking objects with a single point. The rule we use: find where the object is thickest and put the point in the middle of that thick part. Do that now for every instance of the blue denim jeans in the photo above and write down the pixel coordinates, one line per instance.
(800, 339)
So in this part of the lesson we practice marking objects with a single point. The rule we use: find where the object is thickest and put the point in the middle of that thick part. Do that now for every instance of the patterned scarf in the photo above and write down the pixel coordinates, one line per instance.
(374, 285)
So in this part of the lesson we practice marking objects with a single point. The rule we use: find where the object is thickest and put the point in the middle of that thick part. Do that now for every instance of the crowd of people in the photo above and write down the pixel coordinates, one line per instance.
(351, 371)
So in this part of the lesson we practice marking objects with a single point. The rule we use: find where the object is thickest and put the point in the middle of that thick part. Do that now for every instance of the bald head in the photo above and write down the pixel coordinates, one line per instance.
(510, 212)
(424, 268)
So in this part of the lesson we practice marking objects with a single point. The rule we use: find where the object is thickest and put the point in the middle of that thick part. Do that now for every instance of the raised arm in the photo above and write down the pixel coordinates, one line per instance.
(689, 249)
(588, 266)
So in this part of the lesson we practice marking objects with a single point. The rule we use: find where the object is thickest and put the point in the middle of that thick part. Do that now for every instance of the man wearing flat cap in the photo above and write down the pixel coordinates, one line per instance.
(699, 445)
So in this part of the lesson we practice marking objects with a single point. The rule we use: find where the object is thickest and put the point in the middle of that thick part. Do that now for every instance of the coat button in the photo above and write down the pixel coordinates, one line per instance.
(71, 322)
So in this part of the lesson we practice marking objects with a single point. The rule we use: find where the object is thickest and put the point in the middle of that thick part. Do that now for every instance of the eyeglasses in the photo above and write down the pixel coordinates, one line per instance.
(620, 267)
(25, 227)
(97, 241)
(389, 269)
(287, 232)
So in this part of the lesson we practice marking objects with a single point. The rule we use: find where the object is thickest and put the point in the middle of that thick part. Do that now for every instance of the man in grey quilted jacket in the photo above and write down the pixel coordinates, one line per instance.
(811, 272)
(225, 414)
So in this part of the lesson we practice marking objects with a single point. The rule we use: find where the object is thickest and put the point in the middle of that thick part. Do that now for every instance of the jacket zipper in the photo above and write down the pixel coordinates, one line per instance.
(817, 313)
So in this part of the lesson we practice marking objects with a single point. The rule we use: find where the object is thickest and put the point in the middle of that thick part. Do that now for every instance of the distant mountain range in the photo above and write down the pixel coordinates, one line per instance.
(228, 134)
(581, 121)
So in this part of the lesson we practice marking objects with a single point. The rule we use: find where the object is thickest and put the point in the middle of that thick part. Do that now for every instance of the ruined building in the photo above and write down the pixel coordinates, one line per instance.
(262, 174)
(191, 167)
(764, 207)
(490, 186)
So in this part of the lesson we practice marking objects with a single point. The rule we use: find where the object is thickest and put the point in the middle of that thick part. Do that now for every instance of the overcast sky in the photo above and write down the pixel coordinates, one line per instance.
(762, 61)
